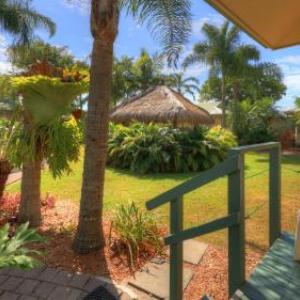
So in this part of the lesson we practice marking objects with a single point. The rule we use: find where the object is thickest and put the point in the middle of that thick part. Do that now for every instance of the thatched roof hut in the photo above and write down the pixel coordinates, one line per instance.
(160, 105)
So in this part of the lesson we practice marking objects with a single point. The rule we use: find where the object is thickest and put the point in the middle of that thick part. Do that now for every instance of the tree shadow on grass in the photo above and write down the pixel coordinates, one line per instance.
(154, 176)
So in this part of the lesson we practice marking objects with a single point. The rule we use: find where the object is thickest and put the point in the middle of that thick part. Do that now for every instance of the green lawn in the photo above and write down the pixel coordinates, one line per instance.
(202, 205)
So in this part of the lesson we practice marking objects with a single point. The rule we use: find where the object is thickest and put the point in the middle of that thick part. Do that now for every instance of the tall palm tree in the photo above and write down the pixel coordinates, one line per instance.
(221, 51)
(169, 21)
(18, 18)
(183, 85)
(240, 67)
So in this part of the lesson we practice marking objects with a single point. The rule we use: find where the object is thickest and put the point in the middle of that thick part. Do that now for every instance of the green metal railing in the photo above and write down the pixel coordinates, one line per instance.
(233, 167)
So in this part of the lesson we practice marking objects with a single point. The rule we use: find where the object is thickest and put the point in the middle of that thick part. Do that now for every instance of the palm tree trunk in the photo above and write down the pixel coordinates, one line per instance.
(104, 26)
(30, 206)
(235, 119)
(223, 103)
(5, 169)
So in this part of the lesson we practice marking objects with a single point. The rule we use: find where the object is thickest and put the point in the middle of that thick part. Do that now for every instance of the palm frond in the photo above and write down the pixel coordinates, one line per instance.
(168, 20)
(20, 19)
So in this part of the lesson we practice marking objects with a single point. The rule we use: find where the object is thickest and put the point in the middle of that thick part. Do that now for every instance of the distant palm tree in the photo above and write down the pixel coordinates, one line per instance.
(18, 18)
(170, 21)
(222, 52)
(183, 85)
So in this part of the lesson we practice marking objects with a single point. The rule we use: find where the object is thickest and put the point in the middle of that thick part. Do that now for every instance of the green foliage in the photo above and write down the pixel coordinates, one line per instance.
(24, 56)
(255, 121)
(59, 140)
(223, 137)
(132, 76)
(136, 230)
(264, 80)
(143, 148)
(13, 252)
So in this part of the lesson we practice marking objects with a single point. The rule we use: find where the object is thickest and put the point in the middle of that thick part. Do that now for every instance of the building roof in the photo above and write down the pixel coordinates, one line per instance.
(211, 106)
(273, 23)
(160, 105)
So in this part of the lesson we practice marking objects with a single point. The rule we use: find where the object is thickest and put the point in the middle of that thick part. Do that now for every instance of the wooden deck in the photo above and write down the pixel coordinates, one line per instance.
(277, 276)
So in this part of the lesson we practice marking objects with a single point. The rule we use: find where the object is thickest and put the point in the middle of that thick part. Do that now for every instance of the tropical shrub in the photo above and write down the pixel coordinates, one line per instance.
(255, 121)
(13, 252)
(223, 137)
(150, 148)
(136, 232)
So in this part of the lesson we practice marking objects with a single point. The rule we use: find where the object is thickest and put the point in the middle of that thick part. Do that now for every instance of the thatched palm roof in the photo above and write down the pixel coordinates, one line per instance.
(160, 105)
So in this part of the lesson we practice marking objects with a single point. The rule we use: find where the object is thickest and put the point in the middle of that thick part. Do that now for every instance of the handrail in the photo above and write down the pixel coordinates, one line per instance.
(233, 166)
(255, 147)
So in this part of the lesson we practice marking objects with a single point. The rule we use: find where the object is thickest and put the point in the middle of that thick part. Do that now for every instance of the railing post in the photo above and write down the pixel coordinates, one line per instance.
(236, 234)
(176, 250)
(275, 195)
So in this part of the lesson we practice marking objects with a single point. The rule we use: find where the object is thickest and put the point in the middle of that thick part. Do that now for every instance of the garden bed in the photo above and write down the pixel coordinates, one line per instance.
(59, 226)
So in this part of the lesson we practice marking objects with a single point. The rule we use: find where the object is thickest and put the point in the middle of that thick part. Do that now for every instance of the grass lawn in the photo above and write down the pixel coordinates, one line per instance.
(200, 206)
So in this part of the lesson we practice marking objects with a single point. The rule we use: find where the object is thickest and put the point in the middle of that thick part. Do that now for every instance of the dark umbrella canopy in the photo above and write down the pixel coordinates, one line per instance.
(273, 23)
(160, 105)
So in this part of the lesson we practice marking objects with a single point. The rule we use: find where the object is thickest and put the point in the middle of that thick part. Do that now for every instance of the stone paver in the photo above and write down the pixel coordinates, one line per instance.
(92, 284)
(48, 275)
(44, 289)
(11, 284)
(27, 287)
(62, 278)
(154, 279)
(193, 251)
(9, 296)
(53, 284)
(79, 280)
(3, 278)
(28, 298)
(65, 293)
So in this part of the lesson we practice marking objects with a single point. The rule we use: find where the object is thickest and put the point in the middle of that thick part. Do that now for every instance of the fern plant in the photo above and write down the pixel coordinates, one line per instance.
(13, 251)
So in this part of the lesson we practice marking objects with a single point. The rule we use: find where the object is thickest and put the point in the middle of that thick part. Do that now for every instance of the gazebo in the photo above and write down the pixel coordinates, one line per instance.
(160, 104)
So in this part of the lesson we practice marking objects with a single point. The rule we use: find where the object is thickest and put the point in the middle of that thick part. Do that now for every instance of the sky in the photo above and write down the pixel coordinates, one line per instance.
(73, 31)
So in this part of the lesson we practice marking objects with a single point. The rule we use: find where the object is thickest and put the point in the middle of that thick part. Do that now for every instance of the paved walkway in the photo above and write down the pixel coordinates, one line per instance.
(52, 284)
(152, 282)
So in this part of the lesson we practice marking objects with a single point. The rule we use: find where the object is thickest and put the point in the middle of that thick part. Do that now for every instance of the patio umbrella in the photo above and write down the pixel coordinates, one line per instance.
(273, 23)
(160, 105)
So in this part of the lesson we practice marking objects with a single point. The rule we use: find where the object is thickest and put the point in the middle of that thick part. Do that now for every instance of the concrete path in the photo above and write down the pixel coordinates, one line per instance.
(193, 251)
(52, 284)
(152, 282)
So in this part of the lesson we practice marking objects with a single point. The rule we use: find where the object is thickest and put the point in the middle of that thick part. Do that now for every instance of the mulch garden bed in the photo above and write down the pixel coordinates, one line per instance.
(59, 226)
